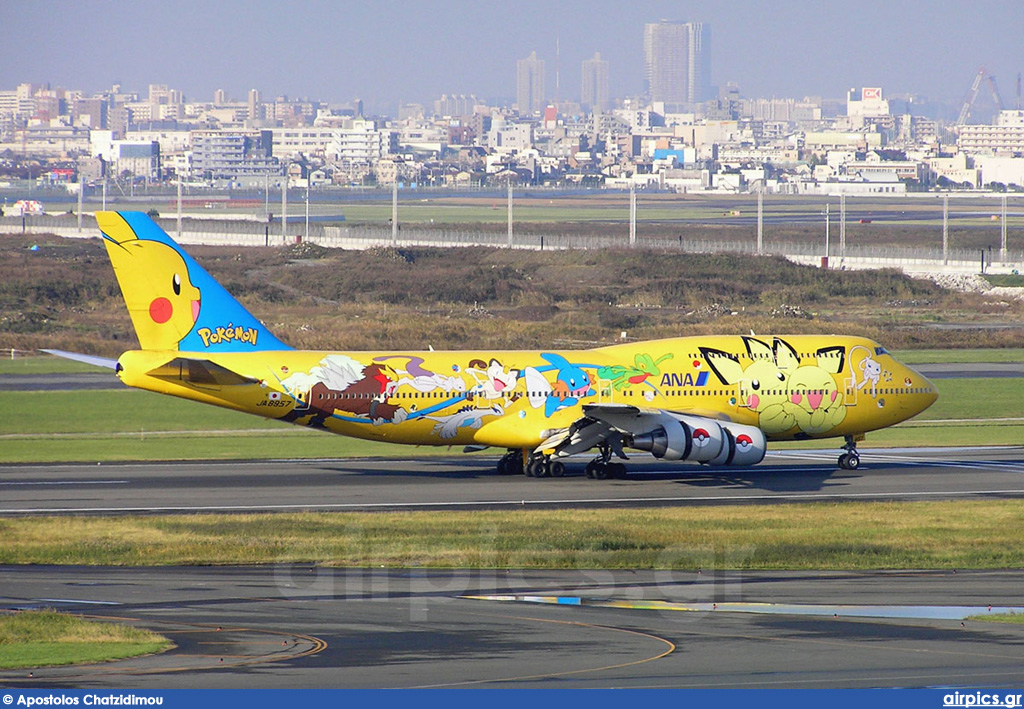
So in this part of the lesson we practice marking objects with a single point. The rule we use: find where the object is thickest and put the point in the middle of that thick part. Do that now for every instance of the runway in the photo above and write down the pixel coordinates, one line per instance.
(470, 482)
(299, 626)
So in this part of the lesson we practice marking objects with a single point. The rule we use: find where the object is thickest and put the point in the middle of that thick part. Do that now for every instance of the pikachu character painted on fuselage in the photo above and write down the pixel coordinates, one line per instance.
(162, 301)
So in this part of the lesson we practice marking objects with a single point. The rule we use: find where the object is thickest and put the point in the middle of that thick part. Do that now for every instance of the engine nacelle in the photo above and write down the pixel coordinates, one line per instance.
(748, 444)
(670, 440)
(681, 437)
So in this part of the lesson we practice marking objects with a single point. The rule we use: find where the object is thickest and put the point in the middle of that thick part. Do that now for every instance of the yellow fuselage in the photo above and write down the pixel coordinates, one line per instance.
(791, 387)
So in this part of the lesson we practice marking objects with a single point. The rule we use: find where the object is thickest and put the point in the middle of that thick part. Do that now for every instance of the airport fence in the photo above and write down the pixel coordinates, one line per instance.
(247, 232)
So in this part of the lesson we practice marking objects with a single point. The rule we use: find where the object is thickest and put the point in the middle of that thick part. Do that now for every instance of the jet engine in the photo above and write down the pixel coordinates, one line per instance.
(681, 437)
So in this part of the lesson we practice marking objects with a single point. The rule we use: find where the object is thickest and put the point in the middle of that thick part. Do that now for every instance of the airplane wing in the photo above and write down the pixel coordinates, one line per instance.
(670, 435)
(88, 359)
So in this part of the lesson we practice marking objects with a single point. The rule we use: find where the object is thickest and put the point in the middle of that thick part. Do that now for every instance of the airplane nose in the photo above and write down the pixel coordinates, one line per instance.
(927, 393)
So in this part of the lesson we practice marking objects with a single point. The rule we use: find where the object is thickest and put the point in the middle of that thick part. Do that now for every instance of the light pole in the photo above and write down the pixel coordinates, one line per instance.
(284, 206)
(824, 261)
(760, 220)
(945, 229)
(510, 211)
(1002, 239)
(842, 226)
(179, 204)
(632, 213)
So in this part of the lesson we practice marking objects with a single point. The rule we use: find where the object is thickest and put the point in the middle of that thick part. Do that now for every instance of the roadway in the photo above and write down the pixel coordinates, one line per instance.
(470, 482)
(299, 626)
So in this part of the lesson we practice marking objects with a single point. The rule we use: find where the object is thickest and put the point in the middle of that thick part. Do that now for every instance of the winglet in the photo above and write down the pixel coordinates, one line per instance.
(175, 304)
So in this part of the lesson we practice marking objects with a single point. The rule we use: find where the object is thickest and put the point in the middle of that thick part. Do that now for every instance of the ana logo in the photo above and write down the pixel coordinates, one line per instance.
(675, 379)
(744, 442)
(227, 334)
(701, 437)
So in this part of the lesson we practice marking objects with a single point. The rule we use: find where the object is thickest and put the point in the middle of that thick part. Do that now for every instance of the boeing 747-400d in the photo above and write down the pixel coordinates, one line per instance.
(712, 400)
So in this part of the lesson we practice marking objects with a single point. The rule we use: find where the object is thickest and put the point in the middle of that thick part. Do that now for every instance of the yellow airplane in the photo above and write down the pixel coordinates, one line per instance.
(711, 400)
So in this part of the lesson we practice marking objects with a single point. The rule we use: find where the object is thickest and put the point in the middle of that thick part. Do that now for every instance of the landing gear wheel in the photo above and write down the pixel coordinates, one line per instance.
(601, 471)
(539, 468)
(849, 461)
(508, 464)
(557, 470)
(591, 469)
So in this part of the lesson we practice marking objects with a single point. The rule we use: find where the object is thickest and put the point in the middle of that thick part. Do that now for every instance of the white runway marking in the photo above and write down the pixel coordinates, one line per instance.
(65, 482)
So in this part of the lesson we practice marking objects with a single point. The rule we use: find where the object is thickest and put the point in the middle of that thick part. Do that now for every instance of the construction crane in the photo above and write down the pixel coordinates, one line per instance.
(982, 75)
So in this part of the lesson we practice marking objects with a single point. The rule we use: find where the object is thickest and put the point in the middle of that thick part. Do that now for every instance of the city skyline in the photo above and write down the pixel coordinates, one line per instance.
(391, 53)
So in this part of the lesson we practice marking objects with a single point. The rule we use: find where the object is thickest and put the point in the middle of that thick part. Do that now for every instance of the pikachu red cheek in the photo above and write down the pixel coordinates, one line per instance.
(161, 310)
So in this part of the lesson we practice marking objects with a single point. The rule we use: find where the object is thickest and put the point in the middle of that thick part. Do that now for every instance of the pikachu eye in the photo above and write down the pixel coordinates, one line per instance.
(176, 284)
(781, 376)
(755, 384)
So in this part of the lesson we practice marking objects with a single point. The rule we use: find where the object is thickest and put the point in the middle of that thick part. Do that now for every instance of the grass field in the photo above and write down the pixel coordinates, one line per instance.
(125, 424)
(912, 357)
(1000, 618)
(977, 534)
(47, 638)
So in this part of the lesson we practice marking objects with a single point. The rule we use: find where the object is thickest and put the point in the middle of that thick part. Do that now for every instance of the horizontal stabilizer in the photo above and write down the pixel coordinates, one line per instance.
(200, 372)
(87, 359)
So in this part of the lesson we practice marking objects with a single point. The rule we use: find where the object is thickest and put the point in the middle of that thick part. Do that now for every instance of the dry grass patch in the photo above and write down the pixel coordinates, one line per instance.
(975, 534)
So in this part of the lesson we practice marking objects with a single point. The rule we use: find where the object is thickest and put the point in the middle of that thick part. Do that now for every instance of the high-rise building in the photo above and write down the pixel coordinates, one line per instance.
(698, 58)
(677, 62)
(594, 91)
(530, 84)
(255, 104)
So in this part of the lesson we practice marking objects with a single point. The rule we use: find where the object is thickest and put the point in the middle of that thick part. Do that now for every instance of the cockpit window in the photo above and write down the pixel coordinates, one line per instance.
(879, 351)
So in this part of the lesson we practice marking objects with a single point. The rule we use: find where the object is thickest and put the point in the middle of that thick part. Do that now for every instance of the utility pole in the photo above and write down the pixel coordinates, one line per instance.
(510, 212)
(760, 221)
(104, 193)
(632, 214)
(945, 229)
(394, 211)
(305, 234)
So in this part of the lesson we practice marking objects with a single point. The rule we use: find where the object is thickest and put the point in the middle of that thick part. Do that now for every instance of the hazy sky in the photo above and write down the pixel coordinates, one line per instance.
(385, 51)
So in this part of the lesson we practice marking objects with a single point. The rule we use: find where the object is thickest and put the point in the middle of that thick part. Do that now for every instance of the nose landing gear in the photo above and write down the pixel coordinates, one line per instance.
(850, 460)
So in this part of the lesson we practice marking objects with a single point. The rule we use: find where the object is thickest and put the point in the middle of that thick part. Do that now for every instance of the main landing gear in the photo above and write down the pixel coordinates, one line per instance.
(517, 462)
(601, 467)
(541, 466)
(511, 463)
(537, 466)
(850, 460)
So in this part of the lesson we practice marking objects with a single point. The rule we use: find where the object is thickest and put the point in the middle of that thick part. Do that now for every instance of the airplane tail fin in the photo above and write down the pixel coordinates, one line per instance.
(174, 304)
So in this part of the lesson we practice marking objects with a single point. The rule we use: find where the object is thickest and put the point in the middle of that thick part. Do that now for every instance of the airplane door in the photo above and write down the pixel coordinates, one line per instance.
(605, 392)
